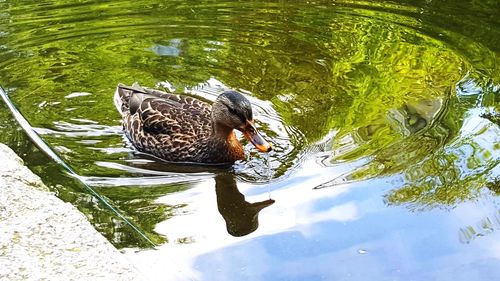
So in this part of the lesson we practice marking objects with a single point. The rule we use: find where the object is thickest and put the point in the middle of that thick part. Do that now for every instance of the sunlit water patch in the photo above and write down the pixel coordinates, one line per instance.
(383, 116)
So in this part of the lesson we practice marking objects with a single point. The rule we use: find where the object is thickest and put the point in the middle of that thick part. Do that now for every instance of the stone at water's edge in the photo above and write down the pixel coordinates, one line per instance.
(44, 238)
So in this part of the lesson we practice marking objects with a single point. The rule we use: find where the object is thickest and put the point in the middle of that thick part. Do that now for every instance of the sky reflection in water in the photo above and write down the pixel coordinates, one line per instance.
(341, 232)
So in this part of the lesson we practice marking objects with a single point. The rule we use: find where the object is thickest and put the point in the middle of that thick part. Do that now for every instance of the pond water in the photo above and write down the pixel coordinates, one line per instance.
(383, 115)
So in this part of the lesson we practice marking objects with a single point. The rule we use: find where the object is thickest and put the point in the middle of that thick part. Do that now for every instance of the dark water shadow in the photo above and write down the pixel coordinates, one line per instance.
(241, 216)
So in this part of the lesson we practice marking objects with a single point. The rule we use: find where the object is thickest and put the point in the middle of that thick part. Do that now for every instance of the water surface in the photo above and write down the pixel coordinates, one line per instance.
(383, 116)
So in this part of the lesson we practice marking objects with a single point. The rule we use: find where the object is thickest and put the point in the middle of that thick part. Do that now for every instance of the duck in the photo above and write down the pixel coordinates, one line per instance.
(180, 128)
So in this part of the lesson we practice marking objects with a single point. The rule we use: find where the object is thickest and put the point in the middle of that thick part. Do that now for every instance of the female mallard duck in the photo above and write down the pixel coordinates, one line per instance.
(184, 129)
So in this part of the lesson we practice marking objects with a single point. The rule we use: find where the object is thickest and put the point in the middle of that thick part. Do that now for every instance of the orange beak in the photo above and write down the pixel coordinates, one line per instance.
(253, 136)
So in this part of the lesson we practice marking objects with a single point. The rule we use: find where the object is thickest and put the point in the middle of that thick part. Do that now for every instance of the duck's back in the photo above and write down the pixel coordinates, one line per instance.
(172, 127)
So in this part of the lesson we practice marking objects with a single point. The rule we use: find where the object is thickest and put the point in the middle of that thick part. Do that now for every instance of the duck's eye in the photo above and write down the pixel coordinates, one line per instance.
(232, 111)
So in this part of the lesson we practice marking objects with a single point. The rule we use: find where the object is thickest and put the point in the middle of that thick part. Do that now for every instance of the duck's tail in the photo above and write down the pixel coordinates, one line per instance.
(123, 94)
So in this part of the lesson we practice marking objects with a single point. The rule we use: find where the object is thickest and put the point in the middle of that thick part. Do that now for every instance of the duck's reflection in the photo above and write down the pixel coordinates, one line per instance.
(241, 217)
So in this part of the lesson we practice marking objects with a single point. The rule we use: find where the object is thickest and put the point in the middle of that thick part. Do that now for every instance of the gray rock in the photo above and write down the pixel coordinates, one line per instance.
(44, 238)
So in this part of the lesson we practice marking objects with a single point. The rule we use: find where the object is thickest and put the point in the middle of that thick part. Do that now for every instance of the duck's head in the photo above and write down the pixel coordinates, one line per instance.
(231, 111)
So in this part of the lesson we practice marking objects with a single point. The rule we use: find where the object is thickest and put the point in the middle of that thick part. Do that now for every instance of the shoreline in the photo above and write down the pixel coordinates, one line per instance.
(44, 238)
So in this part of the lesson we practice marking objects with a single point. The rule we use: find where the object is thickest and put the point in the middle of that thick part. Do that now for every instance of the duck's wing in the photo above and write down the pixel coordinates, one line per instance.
(126, 96)
(173, 116)
(158, 113)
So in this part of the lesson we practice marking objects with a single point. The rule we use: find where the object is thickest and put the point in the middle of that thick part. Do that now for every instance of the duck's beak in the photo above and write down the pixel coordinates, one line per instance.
(253, 136)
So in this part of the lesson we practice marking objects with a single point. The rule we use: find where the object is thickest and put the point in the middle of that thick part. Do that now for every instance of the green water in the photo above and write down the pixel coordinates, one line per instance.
(383, 115)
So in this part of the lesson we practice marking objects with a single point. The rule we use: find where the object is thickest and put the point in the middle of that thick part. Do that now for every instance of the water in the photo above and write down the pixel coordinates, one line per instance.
(383, 117)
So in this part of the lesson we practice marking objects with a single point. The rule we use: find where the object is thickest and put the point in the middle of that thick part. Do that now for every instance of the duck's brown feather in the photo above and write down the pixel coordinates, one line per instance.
(172, 127)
